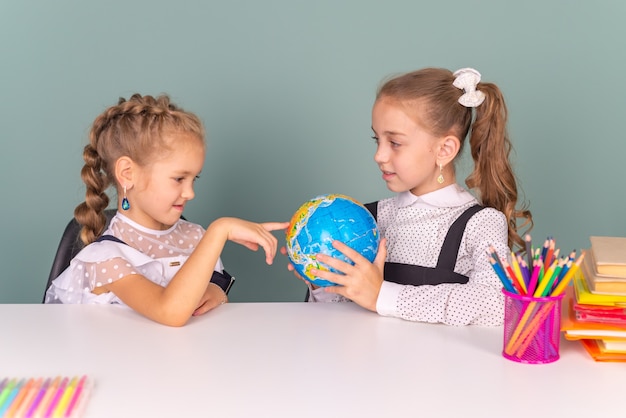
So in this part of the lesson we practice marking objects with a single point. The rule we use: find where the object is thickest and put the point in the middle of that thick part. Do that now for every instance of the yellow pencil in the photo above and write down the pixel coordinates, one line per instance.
(520, 326)
(560, 288)
(65, 398)
(545, 280)
(519, 348)
(518, 271)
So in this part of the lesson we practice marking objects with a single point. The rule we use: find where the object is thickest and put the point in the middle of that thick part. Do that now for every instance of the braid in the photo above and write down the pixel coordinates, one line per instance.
(135, 128)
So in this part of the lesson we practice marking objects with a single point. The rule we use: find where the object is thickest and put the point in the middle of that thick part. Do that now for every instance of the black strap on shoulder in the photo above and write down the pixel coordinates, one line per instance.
(450, 248)
(223, 280)
(110, 238)
(373, 208)
(414, 275)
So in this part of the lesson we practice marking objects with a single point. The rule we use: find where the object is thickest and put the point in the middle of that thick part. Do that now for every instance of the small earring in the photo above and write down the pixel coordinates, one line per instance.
(125, 204)
(440, 179)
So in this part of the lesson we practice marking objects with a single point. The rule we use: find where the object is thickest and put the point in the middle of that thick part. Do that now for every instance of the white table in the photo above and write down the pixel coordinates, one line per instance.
(297, 360)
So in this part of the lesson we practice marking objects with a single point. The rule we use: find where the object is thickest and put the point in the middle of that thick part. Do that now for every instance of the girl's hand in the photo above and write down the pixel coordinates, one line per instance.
(252, 235)
(213, 297)
(360, 282)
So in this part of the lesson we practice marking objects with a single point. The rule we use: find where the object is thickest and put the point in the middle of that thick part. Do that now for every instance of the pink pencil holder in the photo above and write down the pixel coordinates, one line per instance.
(532, 328)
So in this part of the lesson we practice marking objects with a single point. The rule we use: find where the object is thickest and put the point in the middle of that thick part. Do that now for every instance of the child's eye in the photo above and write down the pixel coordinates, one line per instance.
(179, 179)
(375, 138)
(196, 178)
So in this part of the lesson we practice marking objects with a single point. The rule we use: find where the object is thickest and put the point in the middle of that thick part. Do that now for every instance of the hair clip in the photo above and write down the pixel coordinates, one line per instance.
(467, 79)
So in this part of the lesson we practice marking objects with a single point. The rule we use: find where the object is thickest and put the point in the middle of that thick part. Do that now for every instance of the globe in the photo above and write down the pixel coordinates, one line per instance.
(320, 221)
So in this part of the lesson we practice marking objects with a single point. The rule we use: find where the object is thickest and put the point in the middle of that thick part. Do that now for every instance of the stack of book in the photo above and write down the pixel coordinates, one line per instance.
(594, 310)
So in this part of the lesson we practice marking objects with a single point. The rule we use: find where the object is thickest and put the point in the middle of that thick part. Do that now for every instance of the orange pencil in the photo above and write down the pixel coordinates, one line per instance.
(26, 391)
(47, 397)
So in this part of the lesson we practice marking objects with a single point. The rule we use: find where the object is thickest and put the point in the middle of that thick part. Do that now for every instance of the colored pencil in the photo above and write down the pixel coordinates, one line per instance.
(518, 272)
(44, 402)
(65, 398)
(77, 400)
(12, 395)
(55, 399)
(525, 270)
(502, 275)
(40, 394)
(28, 399)
(544, 251)
(19, 398)
(515, 279)
(527, 336)
(529, 250)
(6, 390)
(560, 288)
(534, 278)
(543, 281)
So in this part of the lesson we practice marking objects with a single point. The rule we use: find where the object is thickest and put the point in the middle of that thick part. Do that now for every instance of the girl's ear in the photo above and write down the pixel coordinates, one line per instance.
(124, 168)
(449, 147)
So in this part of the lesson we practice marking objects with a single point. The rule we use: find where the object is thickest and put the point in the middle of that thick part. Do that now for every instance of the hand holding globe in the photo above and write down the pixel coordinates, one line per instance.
(322, 220)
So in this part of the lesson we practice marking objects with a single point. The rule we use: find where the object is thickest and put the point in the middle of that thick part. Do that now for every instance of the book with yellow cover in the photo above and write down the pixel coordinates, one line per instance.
(585, 297)
(601, 283)
(609, 254)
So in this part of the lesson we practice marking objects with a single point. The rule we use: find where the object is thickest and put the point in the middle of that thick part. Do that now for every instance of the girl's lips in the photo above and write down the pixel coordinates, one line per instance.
(387, 175)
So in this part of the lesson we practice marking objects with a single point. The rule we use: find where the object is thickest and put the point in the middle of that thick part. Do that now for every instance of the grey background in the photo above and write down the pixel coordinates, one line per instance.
(285, 88)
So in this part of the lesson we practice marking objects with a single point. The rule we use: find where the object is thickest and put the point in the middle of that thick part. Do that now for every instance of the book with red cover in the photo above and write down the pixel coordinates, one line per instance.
(579, 330)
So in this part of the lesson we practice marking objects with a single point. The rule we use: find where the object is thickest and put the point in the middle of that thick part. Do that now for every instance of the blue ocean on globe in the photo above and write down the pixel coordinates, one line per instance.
(320, 221)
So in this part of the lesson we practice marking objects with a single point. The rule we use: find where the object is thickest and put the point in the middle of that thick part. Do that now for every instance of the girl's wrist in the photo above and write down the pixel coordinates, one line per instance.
(224, 296)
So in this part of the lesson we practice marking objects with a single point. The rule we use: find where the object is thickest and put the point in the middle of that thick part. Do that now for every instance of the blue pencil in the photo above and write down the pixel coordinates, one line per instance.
(9, 399)
(502, 276)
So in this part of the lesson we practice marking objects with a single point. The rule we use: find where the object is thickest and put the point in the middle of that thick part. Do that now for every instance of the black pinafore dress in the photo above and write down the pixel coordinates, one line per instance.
(443, 272)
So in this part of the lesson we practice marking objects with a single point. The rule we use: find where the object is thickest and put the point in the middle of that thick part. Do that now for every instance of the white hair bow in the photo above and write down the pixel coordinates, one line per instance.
(467, 79)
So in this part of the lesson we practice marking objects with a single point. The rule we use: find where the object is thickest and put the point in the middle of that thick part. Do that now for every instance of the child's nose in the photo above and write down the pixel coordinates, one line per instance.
(188, 193)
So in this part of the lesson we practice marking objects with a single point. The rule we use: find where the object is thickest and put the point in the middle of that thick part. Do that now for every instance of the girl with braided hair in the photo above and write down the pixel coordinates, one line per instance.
(433, 264)
(148, 258)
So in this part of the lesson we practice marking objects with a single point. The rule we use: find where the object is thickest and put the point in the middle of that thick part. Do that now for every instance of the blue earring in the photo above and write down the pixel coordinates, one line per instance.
(125, 204)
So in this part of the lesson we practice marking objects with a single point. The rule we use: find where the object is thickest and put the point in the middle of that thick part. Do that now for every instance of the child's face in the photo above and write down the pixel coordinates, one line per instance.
(165, 186)
(405, 151)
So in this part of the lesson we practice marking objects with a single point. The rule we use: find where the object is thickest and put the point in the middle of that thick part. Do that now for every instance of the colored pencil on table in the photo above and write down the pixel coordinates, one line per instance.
(79, 394)
(44, 402)
(61, 407)
(11, 396)
(40, 394)
(56, 397)
(19, 398)
(28, 398)
(6, 390)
